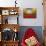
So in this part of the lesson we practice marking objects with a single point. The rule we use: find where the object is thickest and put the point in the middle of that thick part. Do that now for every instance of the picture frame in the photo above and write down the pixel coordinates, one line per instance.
(5, 12)
(29, 12)
(12, 12)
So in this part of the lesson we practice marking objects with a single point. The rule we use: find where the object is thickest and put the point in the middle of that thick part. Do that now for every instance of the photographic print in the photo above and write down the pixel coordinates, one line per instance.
(5, 12)
(29, 12)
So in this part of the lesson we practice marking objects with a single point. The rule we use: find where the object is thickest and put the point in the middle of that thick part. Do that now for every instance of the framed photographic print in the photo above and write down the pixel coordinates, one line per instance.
(5, 12)
(13, 12)
(29, 12)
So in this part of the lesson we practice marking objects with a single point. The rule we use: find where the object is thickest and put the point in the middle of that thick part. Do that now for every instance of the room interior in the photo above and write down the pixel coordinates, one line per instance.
(17, 16)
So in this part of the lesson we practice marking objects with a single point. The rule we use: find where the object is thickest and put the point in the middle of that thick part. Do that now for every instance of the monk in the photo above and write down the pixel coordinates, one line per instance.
(30, 38)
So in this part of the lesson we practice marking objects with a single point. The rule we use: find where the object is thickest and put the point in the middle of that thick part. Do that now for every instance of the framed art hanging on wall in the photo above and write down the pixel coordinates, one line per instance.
(29, 12)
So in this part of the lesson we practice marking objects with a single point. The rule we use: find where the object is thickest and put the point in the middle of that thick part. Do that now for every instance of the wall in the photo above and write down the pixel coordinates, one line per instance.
(32, 4)
(27, 4)
(7, 3)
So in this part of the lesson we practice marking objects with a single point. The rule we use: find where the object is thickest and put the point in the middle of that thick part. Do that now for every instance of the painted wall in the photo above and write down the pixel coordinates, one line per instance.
(27, 4)
(32, 4)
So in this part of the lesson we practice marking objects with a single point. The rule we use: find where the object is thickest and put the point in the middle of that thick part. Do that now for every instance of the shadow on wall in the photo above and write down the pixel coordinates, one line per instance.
(37, 29)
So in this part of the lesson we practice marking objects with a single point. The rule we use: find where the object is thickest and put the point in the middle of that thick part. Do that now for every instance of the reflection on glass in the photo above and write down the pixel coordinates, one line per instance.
(10, 19)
